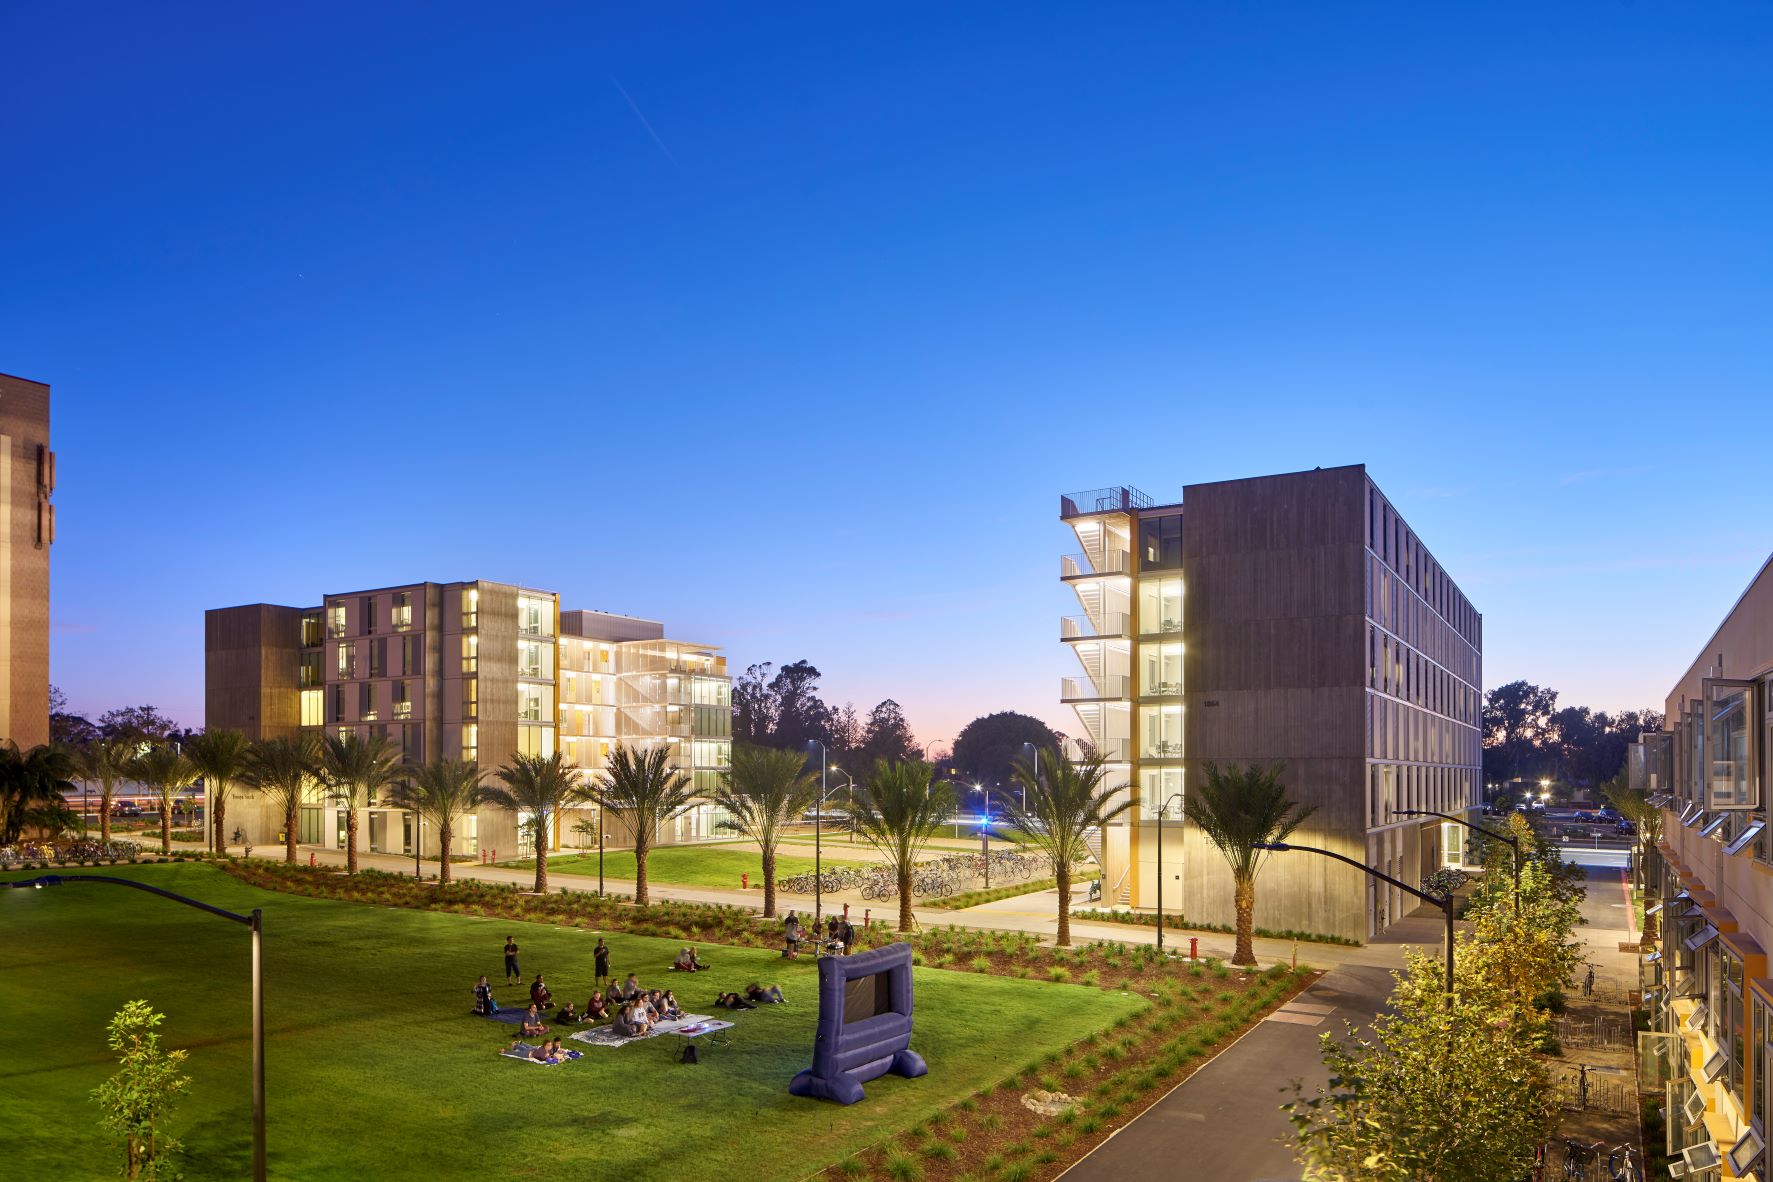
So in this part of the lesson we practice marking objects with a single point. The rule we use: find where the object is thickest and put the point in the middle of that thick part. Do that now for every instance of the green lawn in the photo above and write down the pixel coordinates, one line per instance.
(377, 1070)
(686, 865)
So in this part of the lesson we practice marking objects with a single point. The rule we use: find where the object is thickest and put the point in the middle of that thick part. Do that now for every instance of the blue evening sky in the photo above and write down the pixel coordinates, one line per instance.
(786, 324)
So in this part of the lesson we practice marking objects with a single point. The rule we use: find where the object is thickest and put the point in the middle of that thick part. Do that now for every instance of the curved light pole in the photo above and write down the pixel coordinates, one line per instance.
(256, 922)
(818, 846)
(849, 788)
(1161, 809)
(1514, 843)
(1444, 902)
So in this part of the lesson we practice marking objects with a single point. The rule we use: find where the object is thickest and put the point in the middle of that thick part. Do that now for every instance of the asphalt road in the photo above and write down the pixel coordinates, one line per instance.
(1224, 1123)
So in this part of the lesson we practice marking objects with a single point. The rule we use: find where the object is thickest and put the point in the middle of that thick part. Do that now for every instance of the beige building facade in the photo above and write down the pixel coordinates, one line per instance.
(1293, 619)
(27, 517)
(474, 670)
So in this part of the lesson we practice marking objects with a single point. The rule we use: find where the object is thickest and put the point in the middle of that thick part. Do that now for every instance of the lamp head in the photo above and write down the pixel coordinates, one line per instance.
(1273, 845)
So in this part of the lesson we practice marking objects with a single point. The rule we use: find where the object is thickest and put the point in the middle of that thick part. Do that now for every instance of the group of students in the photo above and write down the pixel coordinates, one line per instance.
(839, 933)
(544, 1052)
(633, 1010)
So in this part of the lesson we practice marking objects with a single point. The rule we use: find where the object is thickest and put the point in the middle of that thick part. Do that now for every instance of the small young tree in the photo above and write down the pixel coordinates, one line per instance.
(356, 771)
(1435, 1093)
(139, 1098)
(1239, 809)
(285, 771)
(443, 792)
(1065, 801)
(896, 812)
(220, 757)
(641, 784)
(105, 761)
(764, 790)
(167, 773)
(1646, 818)
(540, 786)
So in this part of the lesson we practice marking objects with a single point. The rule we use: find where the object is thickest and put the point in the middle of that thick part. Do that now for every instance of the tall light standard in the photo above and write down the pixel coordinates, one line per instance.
(1161, 809)
(255, 922)
(1514, 843)
(985, 832)
(818, 847)
(1444, 902)
(849, 790)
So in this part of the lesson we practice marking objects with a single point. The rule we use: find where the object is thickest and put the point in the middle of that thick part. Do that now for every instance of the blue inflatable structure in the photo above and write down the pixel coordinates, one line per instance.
(864, 1025)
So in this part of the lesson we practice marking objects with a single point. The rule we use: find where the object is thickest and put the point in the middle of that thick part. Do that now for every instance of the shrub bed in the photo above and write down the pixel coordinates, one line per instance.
(1149, 920)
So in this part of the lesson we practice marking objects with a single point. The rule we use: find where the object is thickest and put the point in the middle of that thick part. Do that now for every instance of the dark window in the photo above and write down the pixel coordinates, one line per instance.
(1160, 542)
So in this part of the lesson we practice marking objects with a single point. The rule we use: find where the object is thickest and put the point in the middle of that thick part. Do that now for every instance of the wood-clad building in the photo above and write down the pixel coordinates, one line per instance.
(27, 517)
(1292, 619)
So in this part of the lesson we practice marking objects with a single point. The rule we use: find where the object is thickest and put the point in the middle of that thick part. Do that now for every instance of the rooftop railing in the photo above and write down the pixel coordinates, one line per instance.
(1120, 498)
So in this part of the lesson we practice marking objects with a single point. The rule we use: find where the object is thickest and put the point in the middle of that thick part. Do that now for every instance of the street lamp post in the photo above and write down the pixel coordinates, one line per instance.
(255, 922)
(1161, 809)
(985, 832)
(1444, 902)
(600, 851)
(818, 845)
(1514, 843)
(849, 787)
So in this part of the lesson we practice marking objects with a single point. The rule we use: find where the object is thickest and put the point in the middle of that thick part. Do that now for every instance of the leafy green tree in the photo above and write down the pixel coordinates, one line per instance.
(540, 786)
(356, 771)
(1520, 956)
(139, 1098)
(285, 771)
(897, 810)
(641, 784)
(765, 789)
(443, 792)
(166, 773)
(988, 747)
(887, 735)
(1239, 809)
(1635, 807)
(1436, 1092)
(1065, 801)
(31, 786)
(220, 757)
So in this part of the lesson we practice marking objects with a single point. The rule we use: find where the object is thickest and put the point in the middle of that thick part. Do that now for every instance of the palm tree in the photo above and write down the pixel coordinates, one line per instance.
(641, 783)
(32, 784)
(1239, 810)
(1065, 800)
(356, 771)
(166, 772)
(220, 759)
(284, 770)
(443, 792)
(106, 761)
(540, 786)
(896, 812)
(764, 790)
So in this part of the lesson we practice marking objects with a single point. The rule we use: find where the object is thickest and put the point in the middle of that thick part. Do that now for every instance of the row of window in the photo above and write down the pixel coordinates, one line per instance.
(1404, 732)
(369, 658)
(1399, 548)
(1440, 788)
(1397, 610)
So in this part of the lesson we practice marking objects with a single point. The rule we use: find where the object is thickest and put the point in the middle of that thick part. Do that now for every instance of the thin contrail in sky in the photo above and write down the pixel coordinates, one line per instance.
(635, 107)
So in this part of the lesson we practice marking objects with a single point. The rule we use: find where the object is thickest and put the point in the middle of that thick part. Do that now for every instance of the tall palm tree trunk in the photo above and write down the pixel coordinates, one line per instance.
(904, 896)
(1064, 878)
(642, 848)
(105, 816)
(541, 855)
(1244, 899)
(165, 825)
(289, 833)
(445, 838)
(769, 882)
(351, 841)
(221, 832)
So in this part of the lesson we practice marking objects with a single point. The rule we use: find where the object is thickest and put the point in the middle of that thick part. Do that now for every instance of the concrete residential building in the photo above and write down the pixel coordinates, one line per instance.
(472, 670)
(1294, 619)
(27, 481)
(1706, 981)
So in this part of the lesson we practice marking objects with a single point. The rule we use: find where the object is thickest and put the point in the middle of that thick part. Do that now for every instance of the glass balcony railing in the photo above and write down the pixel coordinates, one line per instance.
(1086, 689)
(1085, 628)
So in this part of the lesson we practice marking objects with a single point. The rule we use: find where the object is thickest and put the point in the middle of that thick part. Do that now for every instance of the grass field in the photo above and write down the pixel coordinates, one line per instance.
(376, 1069)
(685, 865)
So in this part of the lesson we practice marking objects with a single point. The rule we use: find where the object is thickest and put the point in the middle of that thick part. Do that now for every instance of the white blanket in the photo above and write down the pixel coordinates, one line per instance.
(606, 1036)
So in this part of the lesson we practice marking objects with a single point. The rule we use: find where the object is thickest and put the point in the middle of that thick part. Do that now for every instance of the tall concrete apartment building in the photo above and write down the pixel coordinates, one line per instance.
(1705, 979)
(471, 670)
(1294, 619)
(27, 481)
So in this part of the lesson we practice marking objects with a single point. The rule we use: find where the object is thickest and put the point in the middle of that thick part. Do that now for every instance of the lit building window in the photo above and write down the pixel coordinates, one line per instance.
(313, 707)
(471, 742)
(471, 653)
(335, 619)
(403, 611)
(471, 607)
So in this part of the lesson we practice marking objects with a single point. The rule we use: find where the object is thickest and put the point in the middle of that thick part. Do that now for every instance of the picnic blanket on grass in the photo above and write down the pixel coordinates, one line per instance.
(521, 1052)
(606, 1036)
(512, 1017)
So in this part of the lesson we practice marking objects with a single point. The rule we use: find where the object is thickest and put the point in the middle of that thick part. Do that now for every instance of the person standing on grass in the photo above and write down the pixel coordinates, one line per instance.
(512, 972)
(601, 955)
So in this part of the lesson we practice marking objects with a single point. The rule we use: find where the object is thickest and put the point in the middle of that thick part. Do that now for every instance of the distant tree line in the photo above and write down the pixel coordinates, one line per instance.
(1527, 735)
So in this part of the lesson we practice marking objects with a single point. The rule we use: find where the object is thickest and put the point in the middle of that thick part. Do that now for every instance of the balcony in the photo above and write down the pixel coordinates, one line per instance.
(1161, 749)
(1113, 625)
(1161, 689)
(1082, 566)
(1112, 750)
(1118, 499)
(1088, 689)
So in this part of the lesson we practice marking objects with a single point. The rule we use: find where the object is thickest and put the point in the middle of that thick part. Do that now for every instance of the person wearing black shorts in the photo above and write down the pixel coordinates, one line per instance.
(601, 955)
(512, 972)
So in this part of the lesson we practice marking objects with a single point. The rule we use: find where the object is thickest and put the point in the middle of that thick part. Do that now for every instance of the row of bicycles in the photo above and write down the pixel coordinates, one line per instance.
(79, 849)
(1570, 1160)
(935, 878)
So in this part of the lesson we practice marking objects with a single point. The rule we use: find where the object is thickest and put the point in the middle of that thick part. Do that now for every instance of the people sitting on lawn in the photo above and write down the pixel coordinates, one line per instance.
(538, 992)
(761, 996)
(553, 1050)
(672, 1009)
(596, 1009)
(532, 1022)
(732, 1001)
(688, 962)
(627, 990)
(483, 997)
(631, 1021)
(567, 1015)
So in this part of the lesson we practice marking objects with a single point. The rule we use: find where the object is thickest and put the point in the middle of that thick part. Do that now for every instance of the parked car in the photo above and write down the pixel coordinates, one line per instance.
(125, 808)
(1611, 814)
(1625, 828)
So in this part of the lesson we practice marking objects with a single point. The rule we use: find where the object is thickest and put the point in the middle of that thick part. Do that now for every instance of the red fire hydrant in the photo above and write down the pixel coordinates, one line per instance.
(311, 860)
(1194, 948)
(745, 882)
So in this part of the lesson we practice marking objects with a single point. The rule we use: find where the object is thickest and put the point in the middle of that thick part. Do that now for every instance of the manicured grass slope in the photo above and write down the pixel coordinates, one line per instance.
(377, 1070)
(708, 866)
